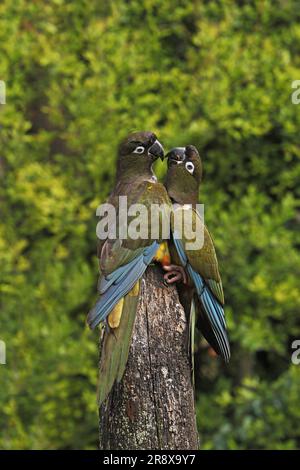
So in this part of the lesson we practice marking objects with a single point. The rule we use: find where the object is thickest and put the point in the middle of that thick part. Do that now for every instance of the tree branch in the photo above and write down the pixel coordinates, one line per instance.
(153, 406)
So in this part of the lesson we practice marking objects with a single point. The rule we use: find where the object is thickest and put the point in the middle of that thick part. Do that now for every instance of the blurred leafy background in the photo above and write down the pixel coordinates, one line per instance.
(81, 74)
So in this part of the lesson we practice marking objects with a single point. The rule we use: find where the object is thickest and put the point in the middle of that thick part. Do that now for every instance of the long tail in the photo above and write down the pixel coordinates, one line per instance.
(116, 344)
(211, 320)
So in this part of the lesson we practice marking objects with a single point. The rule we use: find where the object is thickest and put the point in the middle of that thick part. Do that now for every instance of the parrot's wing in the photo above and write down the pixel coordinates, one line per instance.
(215, 336)
(118, 283)
(204, 260)
(201, 265)
(124, 261)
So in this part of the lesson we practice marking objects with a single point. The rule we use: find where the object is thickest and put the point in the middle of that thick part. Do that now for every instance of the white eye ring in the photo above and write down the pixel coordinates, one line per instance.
(139, 149)
(190, 167)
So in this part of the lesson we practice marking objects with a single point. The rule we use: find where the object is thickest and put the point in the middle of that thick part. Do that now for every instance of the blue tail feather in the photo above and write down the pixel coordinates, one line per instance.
(212, 308)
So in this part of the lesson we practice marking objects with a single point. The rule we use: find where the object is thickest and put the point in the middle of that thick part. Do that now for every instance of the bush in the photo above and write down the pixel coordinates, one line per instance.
(79, 75)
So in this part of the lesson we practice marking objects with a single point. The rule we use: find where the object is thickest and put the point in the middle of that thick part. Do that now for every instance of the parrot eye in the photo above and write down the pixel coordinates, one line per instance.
(190, 167)
(139, 149)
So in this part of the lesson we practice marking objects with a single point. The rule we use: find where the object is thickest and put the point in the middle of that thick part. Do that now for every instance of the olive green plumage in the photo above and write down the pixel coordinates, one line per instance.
(182, 183)
(182, 186)
(115, 348)
(124, 260)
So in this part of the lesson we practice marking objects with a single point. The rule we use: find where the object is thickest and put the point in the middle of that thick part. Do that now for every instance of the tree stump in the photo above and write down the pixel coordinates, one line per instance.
(153, 406)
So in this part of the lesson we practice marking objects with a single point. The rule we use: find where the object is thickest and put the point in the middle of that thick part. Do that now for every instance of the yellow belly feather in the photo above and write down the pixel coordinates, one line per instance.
(162, 255)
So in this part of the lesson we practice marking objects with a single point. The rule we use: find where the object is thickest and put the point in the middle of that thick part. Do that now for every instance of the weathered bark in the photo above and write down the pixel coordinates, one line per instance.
(153, 406)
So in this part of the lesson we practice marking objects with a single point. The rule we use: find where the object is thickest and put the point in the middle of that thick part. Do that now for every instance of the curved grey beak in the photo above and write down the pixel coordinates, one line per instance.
(157, 150)
(176, 155)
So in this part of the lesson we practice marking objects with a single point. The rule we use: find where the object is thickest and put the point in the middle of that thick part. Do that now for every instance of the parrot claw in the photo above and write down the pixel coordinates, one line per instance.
(174, 274)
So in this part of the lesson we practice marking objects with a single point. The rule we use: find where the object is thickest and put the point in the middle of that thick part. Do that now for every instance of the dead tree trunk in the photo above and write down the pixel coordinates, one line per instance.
(153, 406)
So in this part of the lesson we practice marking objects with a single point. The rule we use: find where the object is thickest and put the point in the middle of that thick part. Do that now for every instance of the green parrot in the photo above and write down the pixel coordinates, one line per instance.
(202, 293)
(124, 261)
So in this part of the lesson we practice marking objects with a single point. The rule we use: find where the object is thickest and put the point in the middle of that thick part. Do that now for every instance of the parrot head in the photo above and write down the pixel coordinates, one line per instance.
(184, 174)
(138, 152)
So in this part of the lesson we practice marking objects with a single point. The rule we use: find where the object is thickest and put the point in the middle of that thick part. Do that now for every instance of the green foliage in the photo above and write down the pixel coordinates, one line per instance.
(79, 76)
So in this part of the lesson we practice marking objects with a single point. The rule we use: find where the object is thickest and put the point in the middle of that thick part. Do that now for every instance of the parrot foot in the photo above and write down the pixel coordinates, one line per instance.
(174, 274)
